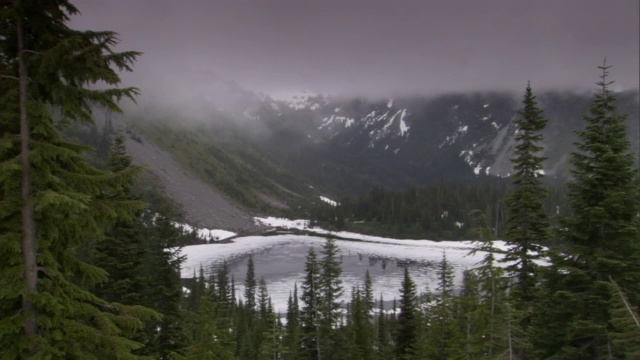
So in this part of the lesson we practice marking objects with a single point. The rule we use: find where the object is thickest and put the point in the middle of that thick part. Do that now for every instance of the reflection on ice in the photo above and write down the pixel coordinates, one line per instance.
(280, 260)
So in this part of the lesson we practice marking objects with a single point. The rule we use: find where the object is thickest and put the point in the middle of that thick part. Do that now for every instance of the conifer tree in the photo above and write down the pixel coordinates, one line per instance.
(50, 196)
(163, 292)
(407, 331)
(310, 312)
(491, 286)
(263, 299)
(210, 340)
(368, 293)
(527, 225)
(625, 335)
(250, 286)
(384, 344)
(601, 233)
(330, 291)
(121, 253)
(443, 334)
(292, 339)
(360, 327)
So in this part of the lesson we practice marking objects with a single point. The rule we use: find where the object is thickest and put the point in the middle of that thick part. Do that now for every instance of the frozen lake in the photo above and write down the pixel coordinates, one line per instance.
(280, 260)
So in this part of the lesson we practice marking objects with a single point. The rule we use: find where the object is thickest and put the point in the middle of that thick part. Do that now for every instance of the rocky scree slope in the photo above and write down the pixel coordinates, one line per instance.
(202, 205)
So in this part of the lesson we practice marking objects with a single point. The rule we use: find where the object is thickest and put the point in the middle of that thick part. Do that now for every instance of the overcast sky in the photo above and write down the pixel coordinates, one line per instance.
(373, 47)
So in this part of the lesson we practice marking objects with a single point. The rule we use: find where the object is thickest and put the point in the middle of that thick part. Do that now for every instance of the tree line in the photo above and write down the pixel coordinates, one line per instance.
(441, 211)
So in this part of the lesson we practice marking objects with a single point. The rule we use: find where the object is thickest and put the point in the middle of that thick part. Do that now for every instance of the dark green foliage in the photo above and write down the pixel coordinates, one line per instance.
(250, 286)
(209, 340)
(527, 225)
(330, 292)
(163, 290)
(443, 333)
(602, 235)
(310, 313)
(625, 335)
(384, 344)
(359, 332)
(439, 211)
(293, 332)
(408, 319)
(54, 193)
(120, 253)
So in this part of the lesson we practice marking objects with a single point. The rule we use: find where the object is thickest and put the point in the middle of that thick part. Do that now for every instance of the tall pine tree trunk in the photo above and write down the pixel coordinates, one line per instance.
(28, 222)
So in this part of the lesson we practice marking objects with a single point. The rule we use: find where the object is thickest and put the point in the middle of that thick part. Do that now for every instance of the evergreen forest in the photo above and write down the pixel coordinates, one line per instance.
(90, 260)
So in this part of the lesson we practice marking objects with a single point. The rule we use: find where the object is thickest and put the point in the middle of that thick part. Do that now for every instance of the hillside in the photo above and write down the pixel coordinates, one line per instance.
(271, 154)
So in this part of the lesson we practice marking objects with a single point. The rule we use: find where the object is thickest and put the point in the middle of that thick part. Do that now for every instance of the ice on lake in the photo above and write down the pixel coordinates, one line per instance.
(280, 260)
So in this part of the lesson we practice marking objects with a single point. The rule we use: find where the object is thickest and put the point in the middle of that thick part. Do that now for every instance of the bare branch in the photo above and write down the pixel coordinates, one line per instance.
(9, 77)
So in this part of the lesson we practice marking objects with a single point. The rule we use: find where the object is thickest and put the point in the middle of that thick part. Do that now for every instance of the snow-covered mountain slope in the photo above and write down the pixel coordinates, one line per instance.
(349, 145)
(404, 141)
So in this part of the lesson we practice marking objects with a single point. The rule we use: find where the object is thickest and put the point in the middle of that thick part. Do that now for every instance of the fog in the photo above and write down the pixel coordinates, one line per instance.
(198, 49)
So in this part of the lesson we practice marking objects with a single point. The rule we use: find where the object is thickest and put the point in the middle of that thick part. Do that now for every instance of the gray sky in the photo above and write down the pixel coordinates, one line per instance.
(372, 47)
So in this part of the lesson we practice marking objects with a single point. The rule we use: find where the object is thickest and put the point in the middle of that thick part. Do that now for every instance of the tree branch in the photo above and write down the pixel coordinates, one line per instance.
(9, 77)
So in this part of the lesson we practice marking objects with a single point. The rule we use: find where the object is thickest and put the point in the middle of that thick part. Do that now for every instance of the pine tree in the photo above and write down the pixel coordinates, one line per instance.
(368, 293)
(625, 335)
(121, 253)
(310, 312)
(443, 334)
(50, 196)
(292, 339)
(210, 340)
(264, 301)
(250, 286)
(330, 292)
(527, 225)
(488, 316)
(384, 344)
(601, 233)
(360, 328)
(407, 331)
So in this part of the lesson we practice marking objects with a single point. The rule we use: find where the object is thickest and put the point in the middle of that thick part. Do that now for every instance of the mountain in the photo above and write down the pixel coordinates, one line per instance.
(356, 144)
(271, 156)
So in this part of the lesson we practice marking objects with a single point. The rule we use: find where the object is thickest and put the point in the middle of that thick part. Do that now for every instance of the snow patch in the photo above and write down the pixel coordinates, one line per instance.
(403, 126)
(276, 222)
(209, 234)
(329, 201)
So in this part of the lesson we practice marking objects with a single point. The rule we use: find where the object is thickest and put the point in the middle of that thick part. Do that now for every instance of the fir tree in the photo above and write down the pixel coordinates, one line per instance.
(264, 302)
(292, 339)
(50, 196)
(384, 344)
(210, 340)
(443, 333)
(527, 225)
(163, 290)
(407, 331)
(368, 293)
(602, 235)
(330, 293)
(625, 335)
(121, 253)
(361, 329)
(250, 286)
(310, 312)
